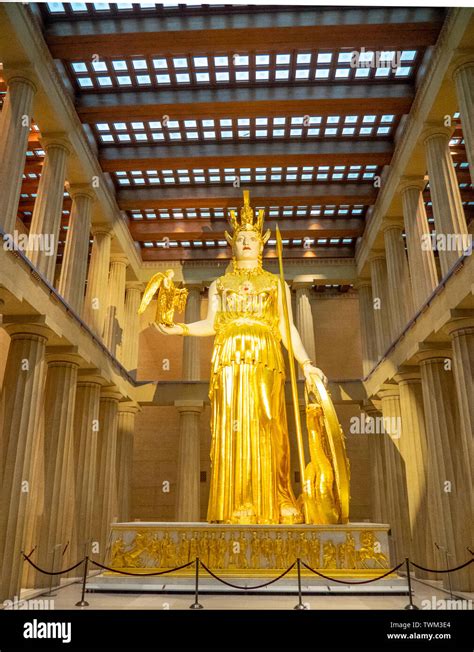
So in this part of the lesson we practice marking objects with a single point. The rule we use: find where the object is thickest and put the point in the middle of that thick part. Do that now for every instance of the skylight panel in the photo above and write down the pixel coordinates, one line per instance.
(85, 82)
(282, 59)
(262, 59)
(182, 78)
(408, 55)
(262, 74)
(362, 72)
(222, 76)
(221, 61)
(119, 65)
(383, 72)
(104, 81)
(302, 74)
(99, 66)
(403, 71)
(56, 7)
(143, 79)
(344, 57)
(139, 64)
(342, 73)
(324, 57)
(240, 60)
(79, 66)
(160, 64)
(387, 118)
(124, 80)
(322, 73)
(163, 79)
(242, 75)
(202, 76)
(201, 62)
(180, 63)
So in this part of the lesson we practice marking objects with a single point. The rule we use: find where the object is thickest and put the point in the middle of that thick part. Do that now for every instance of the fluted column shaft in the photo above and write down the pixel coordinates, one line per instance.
(414, 450)
(97, 280)
(378, 474)
(395, 468)
(447, 205)
(106, 490)
(304, 321)
(189, 458)
(74, 266)
(448, 501)
(125, 431)
(367, 326)
(461, 330)
(191, 345)
(47, 212)
(464, 80)
(383, 328)
(86, 425)
(131, 326)
(23, 401)
(115, 309)
(423, 273)
(398, 278)
(60, 396)
(15, 120)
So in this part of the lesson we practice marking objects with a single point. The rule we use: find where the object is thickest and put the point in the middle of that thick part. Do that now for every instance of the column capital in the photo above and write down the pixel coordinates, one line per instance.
(392, 223)
(189, 406)
(91, 376)
(135, 285)
(362, 283)
(408, 374)
(432, 353)
(63, 354)
(462, 60)
(369, 408)
(300, 284)
(102, 229)
(389, 390)
(461, 320)
(412, 182)
(80, 190)
(111, 392)
(119, 259)
(26, 325)
(130, 407)
(57, 139)
(435, 130)
(21, 72)
(377, 254)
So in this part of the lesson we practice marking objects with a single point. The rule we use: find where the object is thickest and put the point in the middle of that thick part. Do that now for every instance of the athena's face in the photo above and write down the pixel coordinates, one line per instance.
(247, 245)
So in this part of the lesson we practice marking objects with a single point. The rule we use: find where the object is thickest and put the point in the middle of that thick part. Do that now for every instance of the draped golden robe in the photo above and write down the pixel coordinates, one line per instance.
(250, 470)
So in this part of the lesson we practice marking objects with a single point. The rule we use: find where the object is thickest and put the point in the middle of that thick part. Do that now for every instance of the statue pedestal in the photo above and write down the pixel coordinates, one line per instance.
(250, 554)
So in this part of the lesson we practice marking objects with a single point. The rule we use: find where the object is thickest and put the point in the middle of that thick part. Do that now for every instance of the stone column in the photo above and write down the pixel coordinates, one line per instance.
(15, 121)
(423, 273)
(59, 404)
(398, 277)
(447, 502)
(106, 490)
(86, 428)
(23, 390)
(461, 330)
(414, 450)
(113, 326)
(383, 328)
(189, 462)
(133, 292)
(124, 466)
(378, 472)
(74, 266)
(395, 469)
(304, 320)
(97, 280)
(191, 345)
(464, 80)
(47, 213)
(367, 326)
(447, 205)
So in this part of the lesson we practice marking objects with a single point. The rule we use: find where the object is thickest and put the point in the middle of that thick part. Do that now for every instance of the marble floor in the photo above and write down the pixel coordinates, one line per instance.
(426, 596)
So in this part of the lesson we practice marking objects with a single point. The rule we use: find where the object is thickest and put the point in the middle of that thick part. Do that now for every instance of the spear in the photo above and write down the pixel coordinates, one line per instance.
(294, 387)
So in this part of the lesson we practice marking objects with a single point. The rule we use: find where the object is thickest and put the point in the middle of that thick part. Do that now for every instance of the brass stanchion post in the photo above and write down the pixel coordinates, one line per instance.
(410, 605)
(300, 604)
(82, 602)
(196, 604)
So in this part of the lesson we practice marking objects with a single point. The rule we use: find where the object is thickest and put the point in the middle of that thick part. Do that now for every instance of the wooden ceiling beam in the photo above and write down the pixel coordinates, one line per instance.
(237, 155)
(224, 253)
(263, 101)
(242, 32)
(261, 195)
(143, 231)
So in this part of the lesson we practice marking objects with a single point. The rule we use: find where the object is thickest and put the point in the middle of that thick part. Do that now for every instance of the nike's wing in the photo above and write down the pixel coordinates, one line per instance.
(150, 290)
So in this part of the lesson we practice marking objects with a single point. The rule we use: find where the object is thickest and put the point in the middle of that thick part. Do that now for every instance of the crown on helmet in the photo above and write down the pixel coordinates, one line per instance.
(247, 221)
